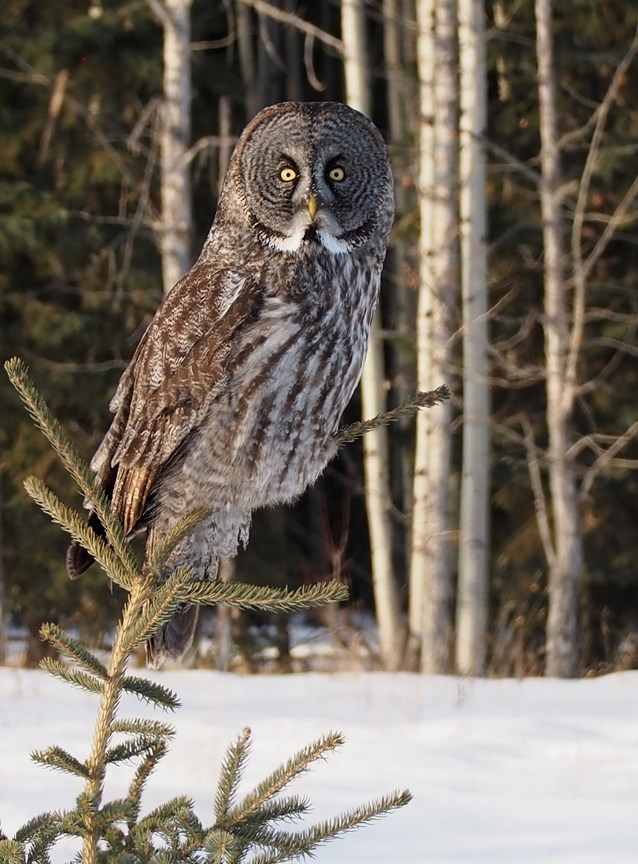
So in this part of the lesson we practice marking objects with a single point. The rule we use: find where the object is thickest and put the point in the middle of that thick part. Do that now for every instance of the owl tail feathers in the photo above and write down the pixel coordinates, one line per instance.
(174, 639)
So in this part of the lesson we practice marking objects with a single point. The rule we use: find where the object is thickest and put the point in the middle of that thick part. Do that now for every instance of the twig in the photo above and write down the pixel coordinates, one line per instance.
(423, 399)
(540, 500)
(271, 11)
(608, 457)
(582, 266)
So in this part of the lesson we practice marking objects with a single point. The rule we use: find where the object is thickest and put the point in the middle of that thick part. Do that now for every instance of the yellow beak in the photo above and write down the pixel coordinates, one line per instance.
(312, 206)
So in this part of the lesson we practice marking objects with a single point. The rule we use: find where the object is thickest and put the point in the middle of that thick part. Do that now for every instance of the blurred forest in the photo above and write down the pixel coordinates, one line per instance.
(81, 222)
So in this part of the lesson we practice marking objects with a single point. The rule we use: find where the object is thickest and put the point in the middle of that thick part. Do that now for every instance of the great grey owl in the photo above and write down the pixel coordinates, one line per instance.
(235, 391)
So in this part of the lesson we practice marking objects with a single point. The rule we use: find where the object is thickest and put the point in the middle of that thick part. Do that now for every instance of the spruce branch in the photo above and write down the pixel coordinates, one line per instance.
(223, 847)
(182, 587)
(284, 775)
(116, 811)
(80, 530)
(37, 824)
(56, 757)
(151, 692)
(158, 608)
(39, 835)
(159, 555)
(142, 773)
(76, 677)
(230, 774)
(304, 843)
(249, 825)
(137, 726)
(74, 464)
(352, 819)
(127, 750)
(265, 598)
(423, 399)
(73, 649)
(159, 816)
(289, 809)
(11, 851)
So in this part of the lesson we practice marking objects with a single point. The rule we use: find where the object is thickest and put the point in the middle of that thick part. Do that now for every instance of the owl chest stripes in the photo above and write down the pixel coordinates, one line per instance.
(270, 433)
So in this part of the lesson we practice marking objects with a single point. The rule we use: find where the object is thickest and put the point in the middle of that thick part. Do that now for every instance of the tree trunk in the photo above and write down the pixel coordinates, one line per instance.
(566, 563)
(401, 261)
(432, 550)
(356, 70)
(472, 588)
(425, 183)
(177, 220)
(375, 444)
(500, 22)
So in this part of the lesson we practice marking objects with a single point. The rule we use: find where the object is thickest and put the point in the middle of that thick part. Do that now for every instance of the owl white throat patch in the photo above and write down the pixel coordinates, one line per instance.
(322, 230)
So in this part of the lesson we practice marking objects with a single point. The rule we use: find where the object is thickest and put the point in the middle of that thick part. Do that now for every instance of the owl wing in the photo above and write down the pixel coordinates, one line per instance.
(176, 371)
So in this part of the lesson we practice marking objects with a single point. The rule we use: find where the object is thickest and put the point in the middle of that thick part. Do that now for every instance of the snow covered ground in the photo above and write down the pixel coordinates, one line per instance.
(505, 772)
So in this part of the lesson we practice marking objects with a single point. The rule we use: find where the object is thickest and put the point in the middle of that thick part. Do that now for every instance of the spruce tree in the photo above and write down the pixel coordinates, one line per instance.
(243, 830)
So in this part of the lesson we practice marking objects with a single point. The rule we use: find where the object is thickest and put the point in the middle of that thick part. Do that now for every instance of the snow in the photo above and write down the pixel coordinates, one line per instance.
(532, 772)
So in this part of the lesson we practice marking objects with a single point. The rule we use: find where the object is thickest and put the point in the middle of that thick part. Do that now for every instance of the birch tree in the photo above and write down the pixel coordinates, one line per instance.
(425, 182)
(566, 554)
(472, 588)
(375, 443)
(176, 226)
(431, 558)
(569, 267)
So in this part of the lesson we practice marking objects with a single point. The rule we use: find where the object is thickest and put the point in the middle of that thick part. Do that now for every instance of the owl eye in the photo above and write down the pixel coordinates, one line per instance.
(337, 174)
(287, 174)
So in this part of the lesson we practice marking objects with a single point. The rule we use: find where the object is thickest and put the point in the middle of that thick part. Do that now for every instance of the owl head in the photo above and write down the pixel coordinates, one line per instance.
(312, 174)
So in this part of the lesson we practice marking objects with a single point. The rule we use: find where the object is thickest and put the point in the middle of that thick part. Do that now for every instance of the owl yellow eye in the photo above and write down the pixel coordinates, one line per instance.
(287, 174)
(337, 174)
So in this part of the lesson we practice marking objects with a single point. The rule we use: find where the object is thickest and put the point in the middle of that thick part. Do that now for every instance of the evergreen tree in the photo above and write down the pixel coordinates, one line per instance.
(116, 831)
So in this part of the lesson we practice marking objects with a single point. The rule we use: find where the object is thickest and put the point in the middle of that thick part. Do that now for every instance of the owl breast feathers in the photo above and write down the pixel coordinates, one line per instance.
(235, 391)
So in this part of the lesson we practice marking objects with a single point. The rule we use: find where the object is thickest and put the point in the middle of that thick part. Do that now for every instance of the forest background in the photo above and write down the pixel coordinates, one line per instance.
(495, 535)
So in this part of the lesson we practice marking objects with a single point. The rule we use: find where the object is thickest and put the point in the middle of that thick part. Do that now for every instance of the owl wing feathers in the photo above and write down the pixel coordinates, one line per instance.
(176, 371)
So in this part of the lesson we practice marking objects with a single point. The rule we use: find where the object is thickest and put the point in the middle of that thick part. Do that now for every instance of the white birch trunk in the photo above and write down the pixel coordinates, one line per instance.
(176, 226)
(432, 552)
(356, 70)
(425, 183)
(501, 21)
(472, 587)
(375, 443)
(393, 61)
(566, 563)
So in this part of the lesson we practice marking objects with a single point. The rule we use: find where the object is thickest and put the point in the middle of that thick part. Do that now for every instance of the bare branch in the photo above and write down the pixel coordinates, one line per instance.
(159, 10)
(607, 458)
(616, 344)
(582, 268)
(509, 158)
(207, 142)
(540, 501)
(350, 433)
(264, 8)
(308, 46)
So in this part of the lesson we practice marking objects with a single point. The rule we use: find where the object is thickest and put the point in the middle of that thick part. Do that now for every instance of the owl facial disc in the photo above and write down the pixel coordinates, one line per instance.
(313, 176)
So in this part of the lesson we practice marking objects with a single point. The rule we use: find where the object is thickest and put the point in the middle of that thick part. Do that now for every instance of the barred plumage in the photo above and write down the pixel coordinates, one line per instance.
(235, 391)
